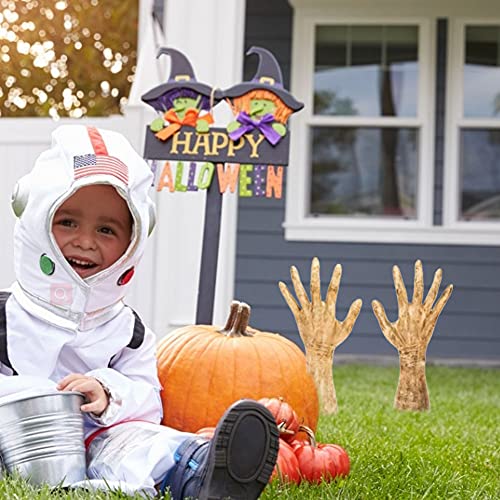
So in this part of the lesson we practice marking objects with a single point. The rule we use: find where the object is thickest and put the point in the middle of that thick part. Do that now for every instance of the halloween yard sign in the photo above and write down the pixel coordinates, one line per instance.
(246, 156)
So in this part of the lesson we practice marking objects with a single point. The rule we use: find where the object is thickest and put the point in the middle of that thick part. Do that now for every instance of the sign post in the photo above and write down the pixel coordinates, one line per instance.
(248, 156)
(209, 256)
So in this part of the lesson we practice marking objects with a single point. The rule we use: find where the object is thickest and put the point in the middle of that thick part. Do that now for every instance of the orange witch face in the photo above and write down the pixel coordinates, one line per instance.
(261, 102)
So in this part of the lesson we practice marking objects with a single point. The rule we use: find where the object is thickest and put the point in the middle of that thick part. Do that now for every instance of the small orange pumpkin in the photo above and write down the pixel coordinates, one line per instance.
(203, 369)
(287, 466)
(320, 461)
(285, 416)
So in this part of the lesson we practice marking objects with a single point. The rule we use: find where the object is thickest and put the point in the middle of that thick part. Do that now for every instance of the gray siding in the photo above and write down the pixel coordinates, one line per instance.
(468, 327)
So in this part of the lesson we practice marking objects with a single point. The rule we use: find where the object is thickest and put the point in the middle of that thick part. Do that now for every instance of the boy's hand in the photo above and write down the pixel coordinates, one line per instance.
(94, 392)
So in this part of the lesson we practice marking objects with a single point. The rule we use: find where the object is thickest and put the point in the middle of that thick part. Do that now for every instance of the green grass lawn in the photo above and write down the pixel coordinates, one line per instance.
(450, 452)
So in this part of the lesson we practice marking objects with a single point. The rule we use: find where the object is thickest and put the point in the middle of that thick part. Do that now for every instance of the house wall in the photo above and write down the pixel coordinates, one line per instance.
(468, 326)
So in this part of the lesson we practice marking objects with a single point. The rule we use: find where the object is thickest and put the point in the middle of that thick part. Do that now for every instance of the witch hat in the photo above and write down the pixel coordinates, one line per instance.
(181, 77)
(268, 77)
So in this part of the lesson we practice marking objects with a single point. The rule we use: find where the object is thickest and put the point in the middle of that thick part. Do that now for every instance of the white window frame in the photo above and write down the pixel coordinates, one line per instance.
(455, 121)
(299, 225)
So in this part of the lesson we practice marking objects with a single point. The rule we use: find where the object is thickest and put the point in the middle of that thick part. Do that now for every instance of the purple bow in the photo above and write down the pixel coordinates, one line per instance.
(264, 125)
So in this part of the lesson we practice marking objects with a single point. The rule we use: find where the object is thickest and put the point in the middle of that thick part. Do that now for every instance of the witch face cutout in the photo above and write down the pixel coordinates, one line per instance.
(181, 100)
(261, 103)
(261, 107)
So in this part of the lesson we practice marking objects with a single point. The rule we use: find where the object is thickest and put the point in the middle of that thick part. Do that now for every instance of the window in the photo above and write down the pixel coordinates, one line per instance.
(362, 162)
(474, 149)
(365, 71)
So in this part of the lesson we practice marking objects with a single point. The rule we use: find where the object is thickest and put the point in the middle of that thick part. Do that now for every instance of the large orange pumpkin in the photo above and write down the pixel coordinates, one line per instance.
(205, 368)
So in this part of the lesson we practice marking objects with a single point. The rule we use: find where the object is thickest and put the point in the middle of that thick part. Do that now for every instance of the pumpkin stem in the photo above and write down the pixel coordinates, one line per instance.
(310, 434)
(233, 311)
(242, 320)
(237, 326)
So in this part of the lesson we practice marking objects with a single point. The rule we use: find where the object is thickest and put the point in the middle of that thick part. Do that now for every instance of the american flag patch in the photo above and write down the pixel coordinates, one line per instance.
(91, 164)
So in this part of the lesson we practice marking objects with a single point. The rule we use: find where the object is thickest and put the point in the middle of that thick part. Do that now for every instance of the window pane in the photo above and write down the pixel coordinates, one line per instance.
(364, 171)
(366, 70)
(482, 72)
(480, 174)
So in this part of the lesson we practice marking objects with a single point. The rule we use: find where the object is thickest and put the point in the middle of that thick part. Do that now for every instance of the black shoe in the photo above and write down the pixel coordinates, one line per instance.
(236, 463)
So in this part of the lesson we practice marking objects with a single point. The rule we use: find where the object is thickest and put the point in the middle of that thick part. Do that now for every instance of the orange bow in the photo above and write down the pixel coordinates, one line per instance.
(175, 123)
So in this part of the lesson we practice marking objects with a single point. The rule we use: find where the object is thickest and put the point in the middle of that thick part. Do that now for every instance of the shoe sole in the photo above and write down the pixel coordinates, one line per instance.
(243, 453)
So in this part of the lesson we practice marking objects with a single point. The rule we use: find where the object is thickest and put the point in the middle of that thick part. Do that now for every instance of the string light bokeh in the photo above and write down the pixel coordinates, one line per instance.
(66, 58)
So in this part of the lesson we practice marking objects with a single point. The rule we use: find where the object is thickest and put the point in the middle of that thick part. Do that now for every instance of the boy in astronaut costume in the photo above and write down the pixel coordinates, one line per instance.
(84, 216)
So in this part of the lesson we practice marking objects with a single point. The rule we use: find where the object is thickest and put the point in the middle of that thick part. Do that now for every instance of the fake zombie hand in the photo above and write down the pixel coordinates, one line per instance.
(319, 328)
(417, 319)
(411, 332)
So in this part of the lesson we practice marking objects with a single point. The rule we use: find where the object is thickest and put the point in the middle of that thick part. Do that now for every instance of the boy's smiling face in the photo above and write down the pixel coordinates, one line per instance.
(93, 229)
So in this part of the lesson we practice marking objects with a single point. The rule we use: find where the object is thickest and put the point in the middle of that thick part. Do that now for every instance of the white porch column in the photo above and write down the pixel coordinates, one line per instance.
(150, 72)
(210, 33)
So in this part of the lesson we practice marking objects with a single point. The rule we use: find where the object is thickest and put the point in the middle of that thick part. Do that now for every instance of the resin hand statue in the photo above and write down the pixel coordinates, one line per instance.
(410, 334)
(319, 329)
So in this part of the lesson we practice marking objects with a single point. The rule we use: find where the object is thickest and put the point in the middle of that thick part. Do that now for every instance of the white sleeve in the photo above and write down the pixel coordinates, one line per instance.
(133, 385)
(13, 384)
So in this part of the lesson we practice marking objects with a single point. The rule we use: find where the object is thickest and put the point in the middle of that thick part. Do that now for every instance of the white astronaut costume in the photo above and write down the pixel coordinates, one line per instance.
(58, 323)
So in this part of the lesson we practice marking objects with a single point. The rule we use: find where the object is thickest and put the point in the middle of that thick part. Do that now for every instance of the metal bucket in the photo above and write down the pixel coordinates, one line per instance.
(41, 437)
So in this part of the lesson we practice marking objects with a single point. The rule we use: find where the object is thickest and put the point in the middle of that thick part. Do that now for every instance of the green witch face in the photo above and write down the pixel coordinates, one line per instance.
(182, 104)
(261, 107)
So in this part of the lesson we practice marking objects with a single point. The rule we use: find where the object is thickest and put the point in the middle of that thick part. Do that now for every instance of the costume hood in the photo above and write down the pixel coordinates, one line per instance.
(46, 284)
